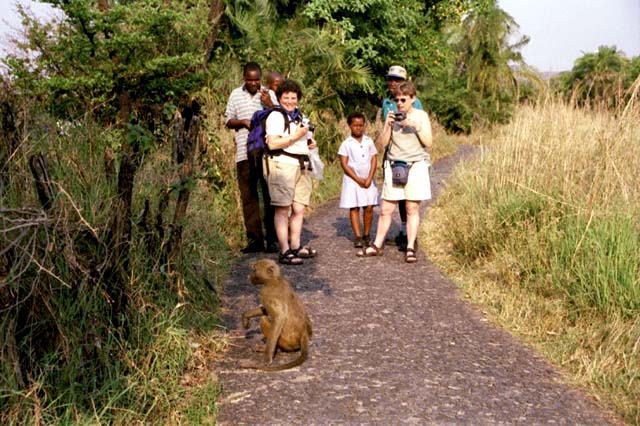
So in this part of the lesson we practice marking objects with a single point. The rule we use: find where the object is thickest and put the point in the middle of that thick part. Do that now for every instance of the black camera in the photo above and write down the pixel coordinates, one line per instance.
(309, 124)
(399, 116)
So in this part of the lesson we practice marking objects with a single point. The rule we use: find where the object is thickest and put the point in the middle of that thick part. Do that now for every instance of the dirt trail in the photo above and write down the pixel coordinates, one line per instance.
(393, 344)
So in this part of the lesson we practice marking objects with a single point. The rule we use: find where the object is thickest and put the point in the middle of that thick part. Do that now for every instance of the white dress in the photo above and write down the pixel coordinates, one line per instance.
(359, 156)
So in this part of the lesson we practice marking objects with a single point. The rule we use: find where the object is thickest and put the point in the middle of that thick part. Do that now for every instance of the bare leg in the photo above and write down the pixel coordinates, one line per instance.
(295, 224)
(281, 223)
(368, 219)
(413, 222)
(354, 215)
(384, 221)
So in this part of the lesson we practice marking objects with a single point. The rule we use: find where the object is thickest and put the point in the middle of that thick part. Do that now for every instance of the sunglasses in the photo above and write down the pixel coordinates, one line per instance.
(401, 100)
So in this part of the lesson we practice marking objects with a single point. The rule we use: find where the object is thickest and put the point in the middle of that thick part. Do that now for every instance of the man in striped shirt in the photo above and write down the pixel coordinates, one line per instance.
(243, 102)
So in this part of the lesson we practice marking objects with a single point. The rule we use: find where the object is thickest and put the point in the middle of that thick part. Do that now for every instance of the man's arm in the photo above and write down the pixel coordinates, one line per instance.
(231, 114)
(235, 124)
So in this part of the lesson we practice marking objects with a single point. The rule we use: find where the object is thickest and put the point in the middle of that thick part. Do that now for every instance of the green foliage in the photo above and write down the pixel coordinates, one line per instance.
(486, 59)
(547, 212)
(100, 80)
(339, 50)
(632, 71)
(603, 78)
(377, 33)
(596, 265)
(143, 48)
(544, 227)
(450, 102)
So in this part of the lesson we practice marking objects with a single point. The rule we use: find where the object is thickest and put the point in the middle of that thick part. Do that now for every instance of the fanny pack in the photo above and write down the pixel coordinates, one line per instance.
(400, 172)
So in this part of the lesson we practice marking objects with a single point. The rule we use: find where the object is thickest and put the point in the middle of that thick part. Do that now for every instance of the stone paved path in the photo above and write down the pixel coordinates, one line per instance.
(393, 344)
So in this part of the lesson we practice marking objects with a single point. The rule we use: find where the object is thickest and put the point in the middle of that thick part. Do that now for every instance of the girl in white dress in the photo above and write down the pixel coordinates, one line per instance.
(358, 157)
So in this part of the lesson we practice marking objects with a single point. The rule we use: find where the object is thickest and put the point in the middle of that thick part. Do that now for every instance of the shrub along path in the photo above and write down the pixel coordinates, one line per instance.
(393, 343)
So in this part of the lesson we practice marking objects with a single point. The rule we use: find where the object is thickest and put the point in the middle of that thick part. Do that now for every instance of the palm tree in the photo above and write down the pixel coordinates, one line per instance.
(487, 57)
(598, 78)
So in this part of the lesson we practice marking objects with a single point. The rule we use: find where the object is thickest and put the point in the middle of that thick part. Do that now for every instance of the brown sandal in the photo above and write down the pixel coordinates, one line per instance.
(410, 256)
(305, 252)
(289, 258)
(370, 251)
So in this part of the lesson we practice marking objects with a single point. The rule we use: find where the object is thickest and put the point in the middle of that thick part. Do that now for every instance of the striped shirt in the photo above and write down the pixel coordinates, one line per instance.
(241, 106)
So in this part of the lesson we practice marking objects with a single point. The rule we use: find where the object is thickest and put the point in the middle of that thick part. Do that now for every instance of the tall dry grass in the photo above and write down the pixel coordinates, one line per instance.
(544, 229)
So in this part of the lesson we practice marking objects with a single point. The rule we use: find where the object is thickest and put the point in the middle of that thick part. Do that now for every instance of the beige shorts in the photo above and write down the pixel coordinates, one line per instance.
(418, 187)
(287, 183)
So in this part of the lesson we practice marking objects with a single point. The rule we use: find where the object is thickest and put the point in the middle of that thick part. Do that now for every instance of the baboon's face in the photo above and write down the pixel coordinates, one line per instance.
(263, 271)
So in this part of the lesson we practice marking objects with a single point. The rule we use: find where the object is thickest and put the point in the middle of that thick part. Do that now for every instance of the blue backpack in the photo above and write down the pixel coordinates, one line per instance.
(256, 141)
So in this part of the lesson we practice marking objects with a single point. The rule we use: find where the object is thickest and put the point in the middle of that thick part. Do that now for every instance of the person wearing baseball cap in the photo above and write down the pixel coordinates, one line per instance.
(395, 76)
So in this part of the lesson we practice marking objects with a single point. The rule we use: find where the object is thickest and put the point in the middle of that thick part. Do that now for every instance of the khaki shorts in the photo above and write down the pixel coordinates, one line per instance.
(418, 187)
(287, 183)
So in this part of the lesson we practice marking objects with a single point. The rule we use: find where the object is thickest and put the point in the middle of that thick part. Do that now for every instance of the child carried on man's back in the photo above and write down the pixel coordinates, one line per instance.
(358, 157)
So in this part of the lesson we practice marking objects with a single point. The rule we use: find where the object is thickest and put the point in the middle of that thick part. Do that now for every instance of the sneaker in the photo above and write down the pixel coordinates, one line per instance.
(358, 242)
(272, 247)
(253, 247)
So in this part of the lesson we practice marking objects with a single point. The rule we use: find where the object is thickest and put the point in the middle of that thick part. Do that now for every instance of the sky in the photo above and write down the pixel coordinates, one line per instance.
(10, 22)
(561, 31)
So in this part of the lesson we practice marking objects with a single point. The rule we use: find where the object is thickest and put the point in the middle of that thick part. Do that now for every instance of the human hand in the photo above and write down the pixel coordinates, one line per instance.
(299, 133)
(311, 143)
(411, 122)
(390, 119)
(265, 98)
(400, 117)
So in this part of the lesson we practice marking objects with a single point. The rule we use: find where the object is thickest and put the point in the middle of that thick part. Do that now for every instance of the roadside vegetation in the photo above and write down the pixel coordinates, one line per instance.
(118, 199)
(542, 231)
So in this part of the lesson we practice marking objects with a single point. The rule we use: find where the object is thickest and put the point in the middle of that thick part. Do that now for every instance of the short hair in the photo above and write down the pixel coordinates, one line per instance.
(288, 85)
(251, 66)
(405, 88)
(274, 75)
(354, 115)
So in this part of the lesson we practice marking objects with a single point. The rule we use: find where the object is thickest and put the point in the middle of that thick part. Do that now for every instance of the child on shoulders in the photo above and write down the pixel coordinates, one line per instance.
(358, 157)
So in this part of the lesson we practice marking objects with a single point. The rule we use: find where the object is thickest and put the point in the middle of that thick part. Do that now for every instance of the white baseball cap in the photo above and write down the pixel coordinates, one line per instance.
(397, 71)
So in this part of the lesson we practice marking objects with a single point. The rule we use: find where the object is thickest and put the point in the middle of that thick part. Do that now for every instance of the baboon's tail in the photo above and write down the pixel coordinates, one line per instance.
(304, 354)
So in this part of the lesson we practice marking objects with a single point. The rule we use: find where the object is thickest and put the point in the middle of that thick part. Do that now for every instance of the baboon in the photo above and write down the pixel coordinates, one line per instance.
(283, 319)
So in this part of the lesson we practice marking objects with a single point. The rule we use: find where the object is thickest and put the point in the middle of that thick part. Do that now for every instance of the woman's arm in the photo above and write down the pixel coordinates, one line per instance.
(282, 140)
(285, 141)
(420, 121)
(385, 136)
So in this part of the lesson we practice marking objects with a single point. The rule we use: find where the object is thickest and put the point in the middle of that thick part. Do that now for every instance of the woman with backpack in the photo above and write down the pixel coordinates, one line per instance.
(287, 172)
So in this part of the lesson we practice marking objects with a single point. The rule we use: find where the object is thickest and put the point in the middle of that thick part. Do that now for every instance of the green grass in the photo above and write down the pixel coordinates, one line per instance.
(543, 231)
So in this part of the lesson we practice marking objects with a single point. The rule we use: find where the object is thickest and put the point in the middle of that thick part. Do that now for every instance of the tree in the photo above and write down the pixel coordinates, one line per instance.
(377, 33)
(487, 57)
(598, 78)
(116, 78)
